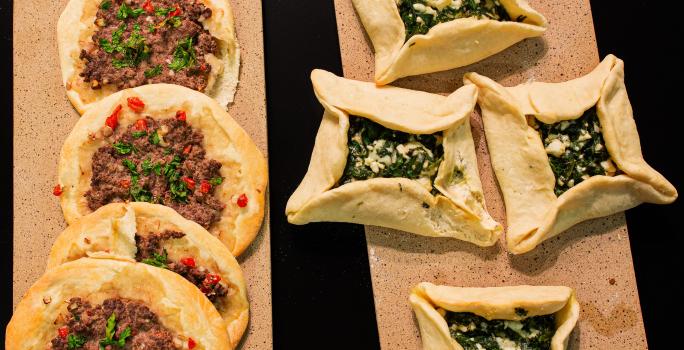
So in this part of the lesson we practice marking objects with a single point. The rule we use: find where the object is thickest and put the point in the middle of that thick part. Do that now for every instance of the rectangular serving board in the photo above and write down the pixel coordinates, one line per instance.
(43, 117)
(593, 257)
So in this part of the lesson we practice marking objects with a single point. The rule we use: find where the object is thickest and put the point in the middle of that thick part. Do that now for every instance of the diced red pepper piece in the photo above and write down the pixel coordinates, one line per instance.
(203, 67)
(125, 183)
(188, 181)
(242, 201)
(191, 343)
(212, 279)
(175, 12)
(63, 332)
(188, 261)
(147, 6)
(180, 115)
(57, 191)
(140, 124)
(187, 149)
(113, 120)
(205, 186)
(136, 104)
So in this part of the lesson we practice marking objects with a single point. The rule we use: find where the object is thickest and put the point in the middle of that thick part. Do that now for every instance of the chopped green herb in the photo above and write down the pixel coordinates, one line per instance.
(183, 55)
(154, 138)
(216, 181)
(174, 21)
(110, 331)
(168, 150)
(139, 193)
(123, 147)
(75, 341)
(151, 28)
(127, 12)
(153, 72)
(139, 134)
(105, 5)
(115, 44)
(131, 166)
(134, 50)
(473, 332)
(158, 260)
(163, 11)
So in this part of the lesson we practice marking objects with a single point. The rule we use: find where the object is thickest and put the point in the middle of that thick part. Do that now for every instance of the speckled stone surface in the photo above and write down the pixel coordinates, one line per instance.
(593, 257)
(43, 117)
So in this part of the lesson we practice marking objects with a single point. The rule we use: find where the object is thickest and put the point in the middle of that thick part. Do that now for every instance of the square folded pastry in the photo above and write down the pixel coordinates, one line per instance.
(396, 158)
(565, 152)
(516, 317)
(412, 37)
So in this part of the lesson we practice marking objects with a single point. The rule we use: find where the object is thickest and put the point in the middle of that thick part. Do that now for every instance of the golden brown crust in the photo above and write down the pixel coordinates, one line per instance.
(76, 26)
(110, 231)
(243, 165)
(448, 45)
(533, 210)
(491, 303)
(458, 211)
(180, 306)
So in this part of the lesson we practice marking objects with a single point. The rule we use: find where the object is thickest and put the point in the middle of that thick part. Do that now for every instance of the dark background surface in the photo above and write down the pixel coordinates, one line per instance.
(322, 293)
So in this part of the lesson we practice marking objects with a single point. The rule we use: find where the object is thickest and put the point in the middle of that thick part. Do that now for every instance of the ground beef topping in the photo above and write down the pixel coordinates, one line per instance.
(158, 161)
(150, 251)
(115, 324)
(141, 42)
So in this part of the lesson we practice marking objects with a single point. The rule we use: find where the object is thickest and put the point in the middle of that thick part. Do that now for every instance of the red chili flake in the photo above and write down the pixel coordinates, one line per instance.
(175, 12)
(188, 261)
(113, 120)
(63, 332)
(188, 181)
(191, 343)
(125, 183)
(187, 149)
(136, 104)
(57, 191)
(140, 124)
(205, 186)
(212, 279)
(180, 115)
(203, 67)
(242, 201)
(147, 6)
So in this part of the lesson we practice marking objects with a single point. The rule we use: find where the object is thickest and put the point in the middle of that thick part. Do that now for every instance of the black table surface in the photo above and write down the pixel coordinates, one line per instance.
(322, 296)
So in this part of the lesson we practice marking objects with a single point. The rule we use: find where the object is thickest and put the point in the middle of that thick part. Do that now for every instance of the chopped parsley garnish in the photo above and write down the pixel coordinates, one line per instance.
(75, 341)
(123, 147)
(131, 166)
(473, 332)
(139, 193)
(177, 187)
(154, 138)
(153, 72)
(110, 331)
(216, 181)
(183, 55)
(163, 11)
(126, 12)
(115, 44)
(106, 5)
(134, 50)
(376, 151)
(419, 17)
(158, 260)
(139, 134)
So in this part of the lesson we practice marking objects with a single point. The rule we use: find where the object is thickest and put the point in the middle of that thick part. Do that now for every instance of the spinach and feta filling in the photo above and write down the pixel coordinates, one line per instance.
(421, 15)
(376, 151)
(473, 332)
(576, 150)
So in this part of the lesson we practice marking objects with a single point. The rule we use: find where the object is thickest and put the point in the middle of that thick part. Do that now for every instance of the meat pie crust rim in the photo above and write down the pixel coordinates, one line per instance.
(491, 303)
(224, 141)
(458, 211)
(180, 306)
(536, 213)
(76, 26)
(109, 233)
(445, 46)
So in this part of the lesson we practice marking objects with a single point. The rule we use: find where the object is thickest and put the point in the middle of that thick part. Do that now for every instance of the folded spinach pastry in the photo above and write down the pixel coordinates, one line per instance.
(396, 158)
(158, 236)
(495, 318)
(110, 304)
(412, 37)
(166, 144)
(565, 152)
(109, 45)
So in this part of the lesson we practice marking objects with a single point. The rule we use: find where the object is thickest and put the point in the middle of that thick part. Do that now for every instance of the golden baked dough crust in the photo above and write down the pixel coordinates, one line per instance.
(110, 231)
(521, 164)
(459, 210)
(447, 45)
(76, 26)
(180, 306)
(243, 165)
(491, 303)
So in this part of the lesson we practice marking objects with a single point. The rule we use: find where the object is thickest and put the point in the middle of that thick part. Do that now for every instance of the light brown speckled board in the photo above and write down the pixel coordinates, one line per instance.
(593, 257)
(43, 117)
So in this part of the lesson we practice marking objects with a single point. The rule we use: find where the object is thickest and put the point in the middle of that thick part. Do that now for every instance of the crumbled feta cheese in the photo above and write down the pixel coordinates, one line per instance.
(584, 135)
(597, 128)
(479, 347)
(581, 169)
(419, 7)
(439, 4)
(608, 166)
(374, 167)
(556, 148)
(419, 20)
(456, 4)
(571, 183)
(506, 344)
(598, 147)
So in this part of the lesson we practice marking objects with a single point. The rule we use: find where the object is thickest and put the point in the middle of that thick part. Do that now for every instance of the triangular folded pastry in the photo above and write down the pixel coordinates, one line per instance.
(412, 37)
(396, 158)
(454, 318)
(565, 152)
